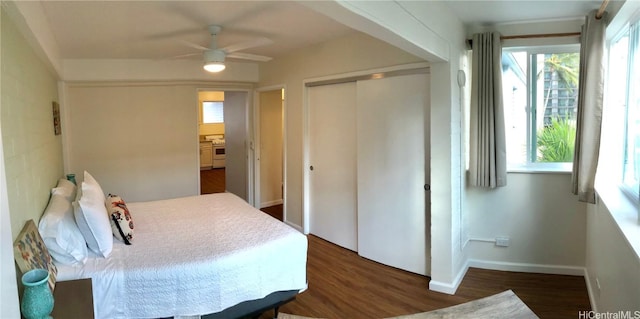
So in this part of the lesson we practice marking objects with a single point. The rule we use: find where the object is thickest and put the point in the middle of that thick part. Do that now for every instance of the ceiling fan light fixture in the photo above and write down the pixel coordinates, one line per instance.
(214, 60)
(214, 66)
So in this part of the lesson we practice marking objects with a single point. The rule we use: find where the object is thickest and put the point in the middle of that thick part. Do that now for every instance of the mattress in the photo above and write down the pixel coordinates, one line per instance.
(193, 256)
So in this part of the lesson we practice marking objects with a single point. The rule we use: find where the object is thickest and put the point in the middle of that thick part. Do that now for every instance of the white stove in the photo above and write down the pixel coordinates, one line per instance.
(219, 154)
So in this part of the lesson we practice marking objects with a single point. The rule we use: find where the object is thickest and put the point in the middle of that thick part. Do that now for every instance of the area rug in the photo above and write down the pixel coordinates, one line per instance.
(505, 305)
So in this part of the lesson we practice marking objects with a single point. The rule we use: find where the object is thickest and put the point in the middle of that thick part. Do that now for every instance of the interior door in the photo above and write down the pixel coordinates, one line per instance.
(332, 157)
(392, 171)
(271, 146)
(235, 133)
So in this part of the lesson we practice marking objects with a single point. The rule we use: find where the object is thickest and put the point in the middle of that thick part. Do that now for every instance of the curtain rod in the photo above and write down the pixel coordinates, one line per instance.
(530, 36)
(599, 15)
(540, 35)
(603, 7)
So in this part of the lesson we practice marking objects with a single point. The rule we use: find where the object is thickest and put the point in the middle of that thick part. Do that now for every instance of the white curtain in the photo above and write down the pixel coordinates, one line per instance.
(589, 116)
(487, 158)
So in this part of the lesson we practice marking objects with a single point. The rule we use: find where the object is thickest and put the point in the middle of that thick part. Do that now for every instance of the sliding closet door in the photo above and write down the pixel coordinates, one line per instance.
(392, 166)
(332, 171)
(235, 134)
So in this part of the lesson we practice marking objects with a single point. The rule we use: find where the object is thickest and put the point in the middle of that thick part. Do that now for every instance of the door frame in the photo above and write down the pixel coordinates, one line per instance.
(248, 133)
(256, 146)
(334, 79)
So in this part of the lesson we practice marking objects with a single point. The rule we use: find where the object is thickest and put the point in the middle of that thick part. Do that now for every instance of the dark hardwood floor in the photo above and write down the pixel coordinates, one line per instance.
(345, 285)
(274, 211)
(212, 181)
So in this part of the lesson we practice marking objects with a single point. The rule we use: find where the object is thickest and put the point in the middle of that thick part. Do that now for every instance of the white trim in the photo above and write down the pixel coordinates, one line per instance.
(256, 146)
(449, 288)
(271, 203)
(624, 214)
(65, 114)
(527, 267)
(9, 289)
(540, 168)
(284, 153)
(590, 291)
(249, 120)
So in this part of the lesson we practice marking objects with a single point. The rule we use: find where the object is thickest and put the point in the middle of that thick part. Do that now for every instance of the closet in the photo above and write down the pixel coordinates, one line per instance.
(368, 147)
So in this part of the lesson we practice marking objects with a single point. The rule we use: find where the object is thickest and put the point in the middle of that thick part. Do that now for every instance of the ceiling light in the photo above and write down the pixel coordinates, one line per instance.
(214, 60)
(214, 66)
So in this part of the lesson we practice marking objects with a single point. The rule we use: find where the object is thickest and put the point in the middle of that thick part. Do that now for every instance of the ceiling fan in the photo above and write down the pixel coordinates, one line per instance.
(214, 57)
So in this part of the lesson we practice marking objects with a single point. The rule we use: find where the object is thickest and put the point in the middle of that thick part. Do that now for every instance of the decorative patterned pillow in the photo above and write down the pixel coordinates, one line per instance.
(121, 221)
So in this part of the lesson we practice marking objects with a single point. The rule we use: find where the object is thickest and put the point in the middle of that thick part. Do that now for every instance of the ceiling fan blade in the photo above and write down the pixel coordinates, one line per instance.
(193, 45)
(249, 56)
(247, 44)
(184, 55)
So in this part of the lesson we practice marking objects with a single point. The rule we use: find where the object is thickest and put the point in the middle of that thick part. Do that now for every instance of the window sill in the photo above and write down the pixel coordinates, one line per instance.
(541, 168)
(625, 213)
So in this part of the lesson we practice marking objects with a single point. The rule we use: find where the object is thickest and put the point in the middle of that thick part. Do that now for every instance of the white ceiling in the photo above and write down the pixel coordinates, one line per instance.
(515, 11)
(158, 29)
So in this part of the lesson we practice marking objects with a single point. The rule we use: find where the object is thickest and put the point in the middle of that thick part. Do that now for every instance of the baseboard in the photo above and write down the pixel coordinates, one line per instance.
(449, 288)
(271, 203)
(296, 227)
(590, 291)
(526, 267)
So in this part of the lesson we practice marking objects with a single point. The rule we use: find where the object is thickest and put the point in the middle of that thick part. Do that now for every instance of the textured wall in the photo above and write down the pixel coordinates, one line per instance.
(32, 152)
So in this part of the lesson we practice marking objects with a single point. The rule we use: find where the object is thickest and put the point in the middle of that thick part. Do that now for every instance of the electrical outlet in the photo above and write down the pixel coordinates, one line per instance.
(503, 241)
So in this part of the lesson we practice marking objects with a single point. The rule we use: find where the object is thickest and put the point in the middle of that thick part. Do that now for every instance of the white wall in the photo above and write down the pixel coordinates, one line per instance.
(350, 53)
(613, 223)
(613, 266)
(31, 154)
(138, 140)
(154, 70)
(545, 222)
(446, 148)
(430, 30)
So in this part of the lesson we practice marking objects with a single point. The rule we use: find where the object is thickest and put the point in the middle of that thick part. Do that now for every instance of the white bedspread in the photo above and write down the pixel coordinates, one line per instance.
(193, 256)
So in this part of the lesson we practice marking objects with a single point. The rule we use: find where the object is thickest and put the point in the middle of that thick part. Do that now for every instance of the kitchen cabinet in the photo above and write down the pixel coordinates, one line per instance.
(206, 155)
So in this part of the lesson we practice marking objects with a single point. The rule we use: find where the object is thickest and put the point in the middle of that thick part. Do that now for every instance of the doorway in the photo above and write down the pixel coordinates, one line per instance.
(270, 168)
(222, 138)
(211, 131)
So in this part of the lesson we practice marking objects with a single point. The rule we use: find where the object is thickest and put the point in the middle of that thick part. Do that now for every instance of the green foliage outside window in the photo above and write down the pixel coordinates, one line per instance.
(556, 142)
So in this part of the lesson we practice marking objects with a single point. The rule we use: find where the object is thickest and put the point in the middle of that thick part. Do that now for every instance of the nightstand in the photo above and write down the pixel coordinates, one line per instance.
(73, 299)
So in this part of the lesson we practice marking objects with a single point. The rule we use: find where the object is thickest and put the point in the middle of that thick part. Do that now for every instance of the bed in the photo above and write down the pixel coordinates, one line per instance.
(211, 255)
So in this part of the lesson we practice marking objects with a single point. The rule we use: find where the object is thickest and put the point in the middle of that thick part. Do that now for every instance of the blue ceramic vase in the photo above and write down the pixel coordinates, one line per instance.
(37, 299)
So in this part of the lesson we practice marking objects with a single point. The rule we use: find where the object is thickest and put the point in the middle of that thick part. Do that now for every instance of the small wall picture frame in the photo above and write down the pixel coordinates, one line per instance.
(30, 252)
(57, 128)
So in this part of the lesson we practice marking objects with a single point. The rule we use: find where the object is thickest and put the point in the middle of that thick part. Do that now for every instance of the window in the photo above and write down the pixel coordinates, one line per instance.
(212, 112)
(624, 104)
(540, 94)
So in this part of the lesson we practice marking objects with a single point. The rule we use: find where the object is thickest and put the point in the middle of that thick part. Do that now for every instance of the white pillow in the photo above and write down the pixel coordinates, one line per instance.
(65, 188)
(91, 215)
(90, 183)
(60, 232)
